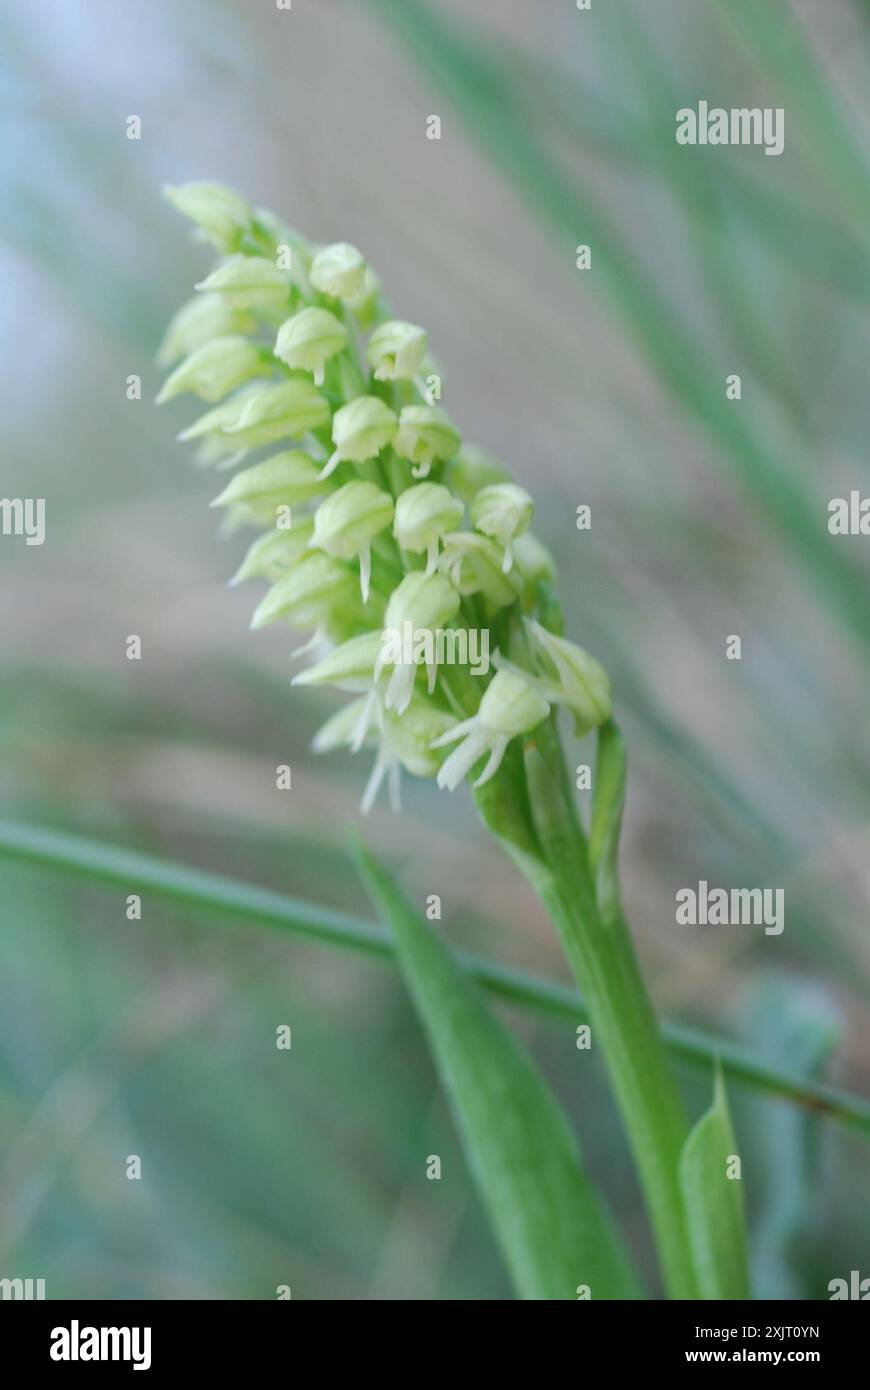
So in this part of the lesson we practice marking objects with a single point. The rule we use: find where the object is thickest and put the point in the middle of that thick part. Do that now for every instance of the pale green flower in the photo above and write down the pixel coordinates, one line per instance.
(424, 435)
(220, 213)
(423, 514)
(347, 521)
(510, 706)
(350, 666)
(533, 562)
(266, 490)
(360, 430)
(395, 350)
(426, 603)
(205, 317)
(338, 271)
(248, 282)
(475, 565)
(309, 340)
(502, 511)
(383, 646)
(215, 369)
(271, 556)
(567, 675)
(292, 408)
(306, 597)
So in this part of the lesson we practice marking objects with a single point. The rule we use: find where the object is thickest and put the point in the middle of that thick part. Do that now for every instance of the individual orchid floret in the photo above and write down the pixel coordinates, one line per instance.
(340, 730)
(248, 282)
(360, 430)
(338, 271)
(502, 511)
(425, 603)
(366, 305)
(309, 340)
(307, 597)
(425, 434)
(533, 562)
(221, 215)
(215, 369)
(424, 513)
(396, 350)
(271, 556)
(268, 489)
(346, 523)
(205, 317)
(350, 666)
(291, 408)
(568, 676)
(510, 706)
(472, 470)
(475, 565)
(406, 741)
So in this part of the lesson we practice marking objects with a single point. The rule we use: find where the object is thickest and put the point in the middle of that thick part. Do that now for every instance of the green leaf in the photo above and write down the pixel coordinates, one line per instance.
(714, 1203)
(553, 1230)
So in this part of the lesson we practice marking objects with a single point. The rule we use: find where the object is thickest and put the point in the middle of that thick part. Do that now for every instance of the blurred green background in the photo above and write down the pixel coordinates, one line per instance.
(605, 387)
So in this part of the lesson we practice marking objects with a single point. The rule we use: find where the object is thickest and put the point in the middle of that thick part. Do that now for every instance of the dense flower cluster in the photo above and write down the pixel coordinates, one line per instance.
(376, 517)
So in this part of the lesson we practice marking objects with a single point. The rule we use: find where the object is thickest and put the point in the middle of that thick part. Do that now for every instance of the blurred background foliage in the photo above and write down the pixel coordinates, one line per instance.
(603, 387)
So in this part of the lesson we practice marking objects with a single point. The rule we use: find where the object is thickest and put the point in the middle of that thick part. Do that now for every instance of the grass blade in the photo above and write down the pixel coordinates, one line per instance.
(554, 1232)
(201, 891)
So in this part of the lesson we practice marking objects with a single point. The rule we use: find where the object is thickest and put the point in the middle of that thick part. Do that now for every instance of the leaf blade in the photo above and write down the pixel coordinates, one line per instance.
(714, 1203)
(554, 1233)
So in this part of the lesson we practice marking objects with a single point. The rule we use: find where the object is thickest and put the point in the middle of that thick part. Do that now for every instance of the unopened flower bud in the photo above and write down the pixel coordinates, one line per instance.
(272, 555)
(423, 514)
(475, 565)
(349, 666)
(221, 214)
(502, 511)
(338, 271)
(281, 481)
(510, 706)
(215, 369)
(292, 408)
(571, 677)
(395, 351)
(246, 282)
(346, 522)
(425, 434)
(307, 595)
(205, 317)
(309, 340)
(360, 430)
(473, 469)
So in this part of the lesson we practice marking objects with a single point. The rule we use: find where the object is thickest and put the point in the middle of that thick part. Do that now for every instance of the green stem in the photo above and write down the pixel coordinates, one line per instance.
(601, 955)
